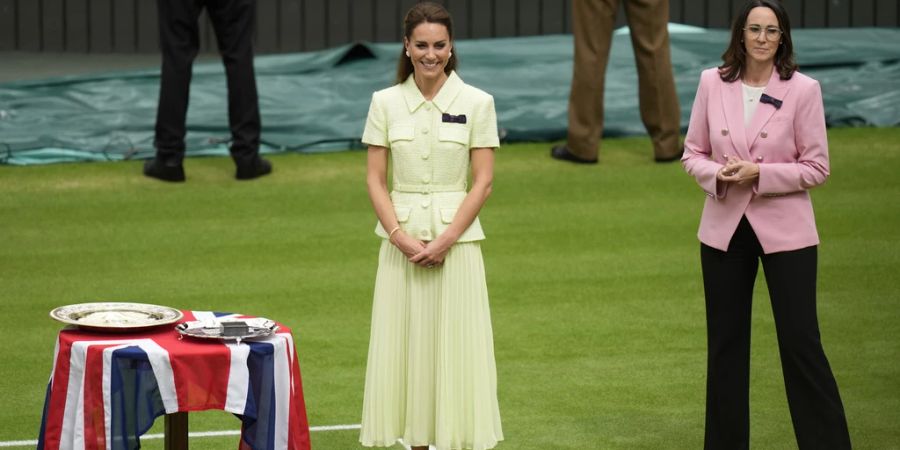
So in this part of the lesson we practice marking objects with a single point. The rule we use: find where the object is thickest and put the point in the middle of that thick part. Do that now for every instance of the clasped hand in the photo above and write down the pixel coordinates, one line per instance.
(425, 254)
(737, 170)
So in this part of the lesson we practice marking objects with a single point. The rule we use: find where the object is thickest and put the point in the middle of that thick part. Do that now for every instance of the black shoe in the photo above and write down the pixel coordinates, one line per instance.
(155, 168)
(667, 159)
(256, 169)
(562, 153)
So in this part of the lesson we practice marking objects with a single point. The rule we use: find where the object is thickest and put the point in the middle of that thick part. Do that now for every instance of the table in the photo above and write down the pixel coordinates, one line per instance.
(106, 389)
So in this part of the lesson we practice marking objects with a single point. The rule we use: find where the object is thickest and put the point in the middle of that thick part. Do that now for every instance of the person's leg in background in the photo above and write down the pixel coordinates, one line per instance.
(179, 41)
(728, 279)
(648, 21)
(233, 22)
(592, 27)
(813, 397)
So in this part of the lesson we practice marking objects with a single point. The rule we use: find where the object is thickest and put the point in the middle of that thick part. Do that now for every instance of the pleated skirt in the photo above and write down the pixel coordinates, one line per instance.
(431, 378)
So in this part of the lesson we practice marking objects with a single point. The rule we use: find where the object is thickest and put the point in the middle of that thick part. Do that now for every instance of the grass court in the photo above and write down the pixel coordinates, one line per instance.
(593, 272)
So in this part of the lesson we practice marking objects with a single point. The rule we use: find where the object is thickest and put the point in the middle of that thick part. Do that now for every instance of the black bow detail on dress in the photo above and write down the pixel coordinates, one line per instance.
(449, 118)
(770, 100)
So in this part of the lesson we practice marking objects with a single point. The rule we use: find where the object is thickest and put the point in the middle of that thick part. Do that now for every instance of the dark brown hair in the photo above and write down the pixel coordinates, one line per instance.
(421, 13)
(735, 57)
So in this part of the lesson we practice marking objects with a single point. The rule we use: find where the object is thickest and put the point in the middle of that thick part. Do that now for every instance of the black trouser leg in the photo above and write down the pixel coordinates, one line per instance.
(233, 22)
(179, 42)
(728, 279)
(815, 404)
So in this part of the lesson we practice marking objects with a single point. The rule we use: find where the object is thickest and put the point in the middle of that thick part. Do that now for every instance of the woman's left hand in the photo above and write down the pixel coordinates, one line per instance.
(433, 254)
(739, 171)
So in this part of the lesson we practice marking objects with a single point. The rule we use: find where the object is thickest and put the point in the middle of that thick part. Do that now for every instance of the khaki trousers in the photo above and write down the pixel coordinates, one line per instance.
(592, 26)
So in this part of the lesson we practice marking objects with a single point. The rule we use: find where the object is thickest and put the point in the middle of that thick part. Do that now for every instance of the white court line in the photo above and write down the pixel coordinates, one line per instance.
(196, 434)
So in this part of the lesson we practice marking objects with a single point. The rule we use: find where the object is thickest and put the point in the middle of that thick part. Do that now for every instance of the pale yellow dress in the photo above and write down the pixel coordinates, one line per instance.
(431, 377)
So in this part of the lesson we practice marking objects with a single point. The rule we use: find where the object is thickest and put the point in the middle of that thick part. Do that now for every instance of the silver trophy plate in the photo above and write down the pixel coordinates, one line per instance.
(224, 329)
(116, 316)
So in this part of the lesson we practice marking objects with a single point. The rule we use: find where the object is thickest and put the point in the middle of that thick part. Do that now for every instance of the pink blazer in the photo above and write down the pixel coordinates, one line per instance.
(789, 144)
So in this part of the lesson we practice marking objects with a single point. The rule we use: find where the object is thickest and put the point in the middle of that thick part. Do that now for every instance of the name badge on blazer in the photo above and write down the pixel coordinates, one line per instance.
(450, 118)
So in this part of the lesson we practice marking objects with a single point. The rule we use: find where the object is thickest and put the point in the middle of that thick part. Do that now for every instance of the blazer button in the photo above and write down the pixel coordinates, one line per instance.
(425, 156)
(724, 132)
(425, 234)
(759, 158)
(763, 135)
(425, 131)
(426, 203)
(426, 179)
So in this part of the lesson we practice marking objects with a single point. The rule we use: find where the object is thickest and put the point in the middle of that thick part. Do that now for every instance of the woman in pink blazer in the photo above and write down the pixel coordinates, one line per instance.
(756, 144)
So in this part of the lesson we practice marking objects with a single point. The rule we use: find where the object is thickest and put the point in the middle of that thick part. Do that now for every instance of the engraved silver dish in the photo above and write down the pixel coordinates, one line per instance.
(256, 327)
(116, 316)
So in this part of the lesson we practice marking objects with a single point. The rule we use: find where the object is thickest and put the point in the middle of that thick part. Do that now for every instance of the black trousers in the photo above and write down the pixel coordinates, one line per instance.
(813, 398)
(233, 22)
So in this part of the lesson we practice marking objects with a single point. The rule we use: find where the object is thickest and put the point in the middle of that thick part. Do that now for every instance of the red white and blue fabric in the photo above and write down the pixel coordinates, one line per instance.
(106, 389)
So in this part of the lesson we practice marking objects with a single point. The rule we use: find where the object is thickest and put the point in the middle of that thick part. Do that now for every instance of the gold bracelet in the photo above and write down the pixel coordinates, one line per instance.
(391, 234)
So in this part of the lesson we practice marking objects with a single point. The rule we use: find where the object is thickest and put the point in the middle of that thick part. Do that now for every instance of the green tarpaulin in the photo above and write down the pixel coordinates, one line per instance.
(318, 101)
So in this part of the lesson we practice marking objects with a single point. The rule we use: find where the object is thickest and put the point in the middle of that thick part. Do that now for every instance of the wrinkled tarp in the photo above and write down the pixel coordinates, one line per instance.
(317, 101)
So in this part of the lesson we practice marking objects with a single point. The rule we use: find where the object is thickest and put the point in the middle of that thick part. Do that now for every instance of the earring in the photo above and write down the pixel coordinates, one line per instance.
(451, 55)
(407, 53)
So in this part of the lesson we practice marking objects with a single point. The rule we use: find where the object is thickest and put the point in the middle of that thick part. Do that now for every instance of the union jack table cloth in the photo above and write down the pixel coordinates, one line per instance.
(107, 388)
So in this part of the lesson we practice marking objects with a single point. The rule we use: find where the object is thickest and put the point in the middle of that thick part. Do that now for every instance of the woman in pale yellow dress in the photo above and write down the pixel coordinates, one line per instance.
(431, 377)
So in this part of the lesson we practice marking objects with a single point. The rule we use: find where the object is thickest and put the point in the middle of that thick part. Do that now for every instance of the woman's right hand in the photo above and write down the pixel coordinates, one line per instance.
(738, 171)
(405, 243)
(724, 172)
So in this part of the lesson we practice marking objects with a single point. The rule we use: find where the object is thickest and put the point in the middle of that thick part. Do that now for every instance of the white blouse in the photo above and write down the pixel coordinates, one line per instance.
(751, 99)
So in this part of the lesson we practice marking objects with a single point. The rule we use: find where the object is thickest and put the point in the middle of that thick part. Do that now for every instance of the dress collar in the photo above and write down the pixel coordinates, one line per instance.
(442, 100)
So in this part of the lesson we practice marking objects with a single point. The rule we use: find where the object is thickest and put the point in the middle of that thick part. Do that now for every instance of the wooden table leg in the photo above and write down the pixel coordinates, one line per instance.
(176, 431)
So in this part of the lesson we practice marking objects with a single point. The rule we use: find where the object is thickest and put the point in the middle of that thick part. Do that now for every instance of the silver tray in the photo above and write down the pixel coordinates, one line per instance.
(257, 327)
(116, 316)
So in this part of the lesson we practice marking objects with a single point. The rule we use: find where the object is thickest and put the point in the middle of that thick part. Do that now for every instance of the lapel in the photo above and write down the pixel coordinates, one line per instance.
(449, 91)
(733, 107)
(411, 94)
(776, 88)
(444, 98)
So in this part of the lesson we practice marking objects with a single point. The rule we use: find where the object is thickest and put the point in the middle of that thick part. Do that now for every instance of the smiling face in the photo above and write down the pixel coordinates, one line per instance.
(429, 48)
(762, 35)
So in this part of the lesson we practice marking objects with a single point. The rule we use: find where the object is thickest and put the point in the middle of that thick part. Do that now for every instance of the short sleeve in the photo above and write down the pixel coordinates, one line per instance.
(484, 127)
(375, 132)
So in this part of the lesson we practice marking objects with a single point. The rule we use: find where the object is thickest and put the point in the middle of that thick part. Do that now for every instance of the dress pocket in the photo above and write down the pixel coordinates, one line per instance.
(401, 133)
(447, 214)
(402, 213)
(456, 134)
